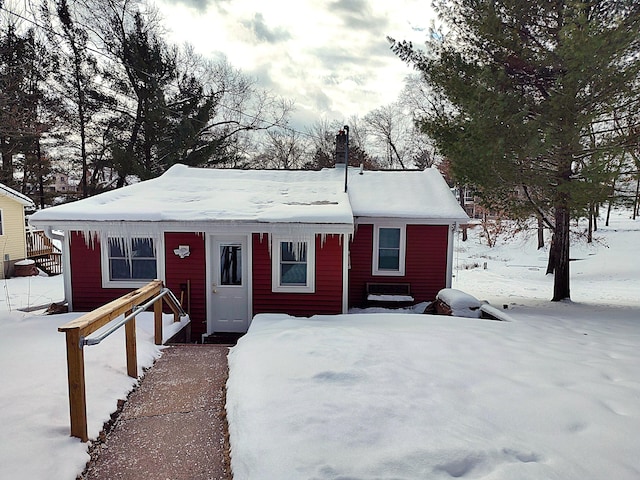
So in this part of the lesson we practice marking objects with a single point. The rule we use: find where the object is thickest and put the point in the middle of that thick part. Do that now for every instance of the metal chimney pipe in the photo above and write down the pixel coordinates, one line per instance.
(346, 158)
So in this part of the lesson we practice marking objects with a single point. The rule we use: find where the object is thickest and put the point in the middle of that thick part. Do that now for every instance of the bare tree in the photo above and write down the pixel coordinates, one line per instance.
(284, 149)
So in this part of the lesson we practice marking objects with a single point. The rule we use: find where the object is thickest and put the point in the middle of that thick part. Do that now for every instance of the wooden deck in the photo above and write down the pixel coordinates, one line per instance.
(41, 249)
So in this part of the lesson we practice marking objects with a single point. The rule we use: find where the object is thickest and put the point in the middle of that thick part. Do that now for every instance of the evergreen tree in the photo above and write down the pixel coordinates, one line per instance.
(16, 98)
(531, 87)
(77, 76)
(24, 67)
(150, 68)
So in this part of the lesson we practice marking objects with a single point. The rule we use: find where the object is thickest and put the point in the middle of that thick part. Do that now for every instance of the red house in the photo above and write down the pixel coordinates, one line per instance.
(235, 243)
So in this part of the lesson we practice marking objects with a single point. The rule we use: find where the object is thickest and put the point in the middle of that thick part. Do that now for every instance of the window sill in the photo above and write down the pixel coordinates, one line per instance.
(293, 289)
(387, 273)
(125, 283)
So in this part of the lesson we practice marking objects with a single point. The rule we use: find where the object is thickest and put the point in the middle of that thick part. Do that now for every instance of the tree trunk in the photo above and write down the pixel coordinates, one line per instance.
(83, 143)
(540, 233)
(561, 290)
(590, 228)
(6, 173)
(40, 176)
(551, 263)
(461, 200)
(613, 191)
(635, 201)
(26, 172)
(395, 150)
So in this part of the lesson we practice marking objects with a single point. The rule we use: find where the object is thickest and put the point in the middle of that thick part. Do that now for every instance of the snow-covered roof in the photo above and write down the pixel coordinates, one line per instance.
(17, 196)
(415, 194)
(185, 194)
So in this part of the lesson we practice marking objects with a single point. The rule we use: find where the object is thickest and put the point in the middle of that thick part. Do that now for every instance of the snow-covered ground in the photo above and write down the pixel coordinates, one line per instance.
(34, 403)
(553, 394)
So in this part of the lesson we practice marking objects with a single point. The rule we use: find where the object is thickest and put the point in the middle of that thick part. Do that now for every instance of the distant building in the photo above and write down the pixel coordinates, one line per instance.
(60, 183)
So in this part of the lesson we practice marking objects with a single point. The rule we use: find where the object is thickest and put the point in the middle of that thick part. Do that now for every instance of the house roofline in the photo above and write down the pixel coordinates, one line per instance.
(411, 220)
(17, 196)
(215, 227)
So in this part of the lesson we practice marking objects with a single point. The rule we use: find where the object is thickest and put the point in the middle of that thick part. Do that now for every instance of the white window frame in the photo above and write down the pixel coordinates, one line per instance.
(107, 282)
(1, 222)
(276, 286)
(375, 270)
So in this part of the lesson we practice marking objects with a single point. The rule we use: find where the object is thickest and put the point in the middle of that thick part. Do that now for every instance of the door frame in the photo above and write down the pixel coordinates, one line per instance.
(211, 262)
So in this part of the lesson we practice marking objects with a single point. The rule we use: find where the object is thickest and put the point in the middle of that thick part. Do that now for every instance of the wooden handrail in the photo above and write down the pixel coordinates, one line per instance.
(77, 330)
(98, 318)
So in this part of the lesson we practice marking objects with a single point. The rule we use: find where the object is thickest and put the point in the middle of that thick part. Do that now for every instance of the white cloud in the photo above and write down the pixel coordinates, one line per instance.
(332, 58)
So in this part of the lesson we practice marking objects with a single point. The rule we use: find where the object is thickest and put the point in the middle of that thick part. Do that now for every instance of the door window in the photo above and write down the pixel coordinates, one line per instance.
(231, 264)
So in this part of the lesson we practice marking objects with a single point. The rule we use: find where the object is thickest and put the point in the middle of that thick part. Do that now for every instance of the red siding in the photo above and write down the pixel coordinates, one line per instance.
(193, 269)
(327, 298)
(426, 267)
(426, 262)
(86, 275)
(360, 264)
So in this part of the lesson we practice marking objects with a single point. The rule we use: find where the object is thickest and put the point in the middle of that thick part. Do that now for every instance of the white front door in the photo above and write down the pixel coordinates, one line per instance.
(230, 289)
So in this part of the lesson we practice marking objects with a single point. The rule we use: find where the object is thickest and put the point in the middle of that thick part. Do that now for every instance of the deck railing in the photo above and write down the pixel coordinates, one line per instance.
(44, 252)
(38, 244)
(77, 336)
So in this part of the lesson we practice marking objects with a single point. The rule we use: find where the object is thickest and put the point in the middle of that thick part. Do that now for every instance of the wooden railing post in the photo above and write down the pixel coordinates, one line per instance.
(91, 322)
(157, 322)
(77, 390)
(130, 341)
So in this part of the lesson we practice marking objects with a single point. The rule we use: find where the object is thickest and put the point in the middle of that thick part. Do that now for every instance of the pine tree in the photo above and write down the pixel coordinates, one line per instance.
(24, 66)
(77, 77)
(531, 90)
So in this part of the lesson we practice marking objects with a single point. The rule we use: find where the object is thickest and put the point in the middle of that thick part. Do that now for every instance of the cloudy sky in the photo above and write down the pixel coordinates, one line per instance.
(330, 56)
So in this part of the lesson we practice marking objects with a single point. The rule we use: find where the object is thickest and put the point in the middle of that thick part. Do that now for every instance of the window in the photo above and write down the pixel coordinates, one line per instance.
(1, 222)
(388, 250)
(230, 265)
(129, 262)
(293, 267)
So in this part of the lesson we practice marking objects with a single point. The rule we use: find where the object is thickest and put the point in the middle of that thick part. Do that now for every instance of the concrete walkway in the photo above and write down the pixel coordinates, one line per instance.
(173, 426)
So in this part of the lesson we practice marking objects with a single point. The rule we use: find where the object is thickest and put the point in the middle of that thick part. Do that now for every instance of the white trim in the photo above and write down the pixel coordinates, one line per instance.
(451, 235)
(138, 228)
(158, 247)
(345, 273)
(65, 241)
(211, 276)
(375, 270)
(276, 286)
(250, 278)
(66, 270)
(208, 278)
(407, 221)
(209, 261)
